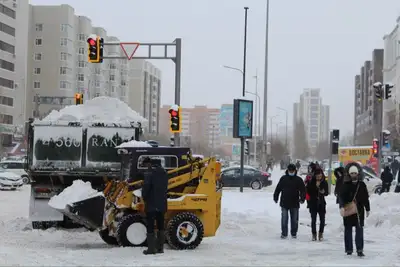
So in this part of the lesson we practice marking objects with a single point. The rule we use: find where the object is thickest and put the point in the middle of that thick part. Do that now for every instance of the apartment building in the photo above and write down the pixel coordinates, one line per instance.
(366, 107)
(391, 74)
(13, 37)
(314, 114)
(58, 66)
(200, 125)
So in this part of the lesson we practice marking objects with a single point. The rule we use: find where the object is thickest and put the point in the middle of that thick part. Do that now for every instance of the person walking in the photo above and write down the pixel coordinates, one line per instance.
(317, 189)
(339, 174)
(387, 179)
(292, 192)
(154, 193)
(354, 206)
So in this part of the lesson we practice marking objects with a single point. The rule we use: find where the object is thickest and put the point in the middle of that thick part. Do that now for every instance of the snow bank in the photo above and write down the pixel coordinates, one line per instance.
(101, 109)
(134, 143)
(79, 190)
(385, 211)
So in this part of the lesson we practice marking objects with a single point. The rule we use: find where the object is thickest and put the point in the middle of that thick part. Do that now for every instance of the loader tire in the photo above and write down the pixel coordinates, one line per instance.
(184, 231)
(105, 236)
(131, 231)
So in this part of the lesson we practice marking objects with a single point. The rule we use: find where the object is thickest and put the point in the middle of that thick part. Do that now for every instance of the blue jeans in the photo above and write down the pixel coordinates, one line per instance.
(348, 238)
(294, 221)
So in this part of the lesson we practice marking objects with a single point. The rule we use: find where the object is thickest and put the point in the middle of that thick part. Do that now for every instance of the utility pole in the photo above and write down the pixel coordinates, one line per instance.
(265, 106)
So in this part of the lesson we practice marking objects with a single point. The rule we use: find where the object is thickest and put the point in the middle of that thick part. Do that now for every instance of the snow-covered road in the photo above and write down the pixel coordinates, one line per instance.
(249, 235)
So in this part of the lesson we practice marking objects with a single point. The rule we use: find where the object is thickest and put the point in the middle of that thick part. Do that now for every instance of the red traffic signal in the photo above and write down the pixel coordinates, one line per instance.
(92, 41)
(375, 148)
(175, 120)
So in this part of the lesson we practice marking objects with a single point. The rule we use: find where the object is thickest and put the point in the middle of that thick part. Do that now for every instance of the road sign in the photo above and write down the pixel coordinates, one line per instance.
(129, 49)
(388, 153)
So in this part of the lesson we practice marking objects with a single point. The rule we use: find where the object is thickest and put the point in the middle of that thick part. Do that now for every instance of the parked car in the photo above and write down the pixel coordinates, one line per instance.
(17, 167)
(253, 178)
(373, 182)
(10, 180)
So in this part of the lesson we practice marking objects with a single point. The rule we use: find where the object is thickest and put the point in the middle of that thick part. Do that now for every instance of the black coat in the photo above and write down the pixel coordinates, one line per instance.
(317, 202)
(362, 199)
(293, 191)
(154, 191)
(387, 176)
(339, 174)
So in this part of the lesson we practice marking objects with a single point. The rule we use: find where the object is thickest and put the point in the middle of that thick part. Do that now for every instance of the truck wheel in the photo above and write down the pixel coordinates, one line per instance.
(131, 231)
(104, 234)
(185, 231)
(25, 179)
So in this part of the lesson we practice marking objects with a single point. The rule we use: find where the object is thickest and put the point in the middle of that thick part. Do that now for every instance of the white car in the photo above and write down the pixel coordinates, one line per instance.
(373, 182)
(17, 167)
(10, 180)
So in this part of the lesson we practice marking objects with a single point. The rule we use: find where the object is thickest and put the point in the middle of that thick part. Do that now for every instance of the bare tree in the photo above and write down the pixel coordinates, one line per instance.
(322, 150)
(301, 149)
(278, 149)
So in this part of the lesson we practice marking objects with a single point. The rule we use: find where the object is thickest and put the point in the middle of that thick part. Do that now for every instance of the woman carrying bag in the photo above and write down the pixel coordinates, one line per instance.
(353, 200)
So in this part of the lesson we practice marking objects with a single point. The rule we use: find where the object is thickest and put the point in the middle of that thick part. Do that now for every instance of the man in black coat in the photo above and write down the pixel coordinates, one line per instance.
(154, 193)
(339, 174)
(293, 193)
(317, 189)
(354, 189)
(387, 179)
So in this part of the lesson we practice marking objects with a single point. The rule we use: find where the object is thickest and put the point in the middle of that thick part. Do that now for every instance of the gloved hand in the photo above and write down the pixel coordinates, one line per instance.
(367, 214)
(342, 212)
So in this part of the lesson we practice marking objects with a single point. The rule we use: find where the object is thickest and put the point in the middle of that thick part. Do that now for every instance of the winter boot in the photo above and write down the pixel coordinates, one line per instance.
(349, 253)
(160, 241)
(151, 245)
(320, 236)
(360, 254)
(314, 237)
(283, 236)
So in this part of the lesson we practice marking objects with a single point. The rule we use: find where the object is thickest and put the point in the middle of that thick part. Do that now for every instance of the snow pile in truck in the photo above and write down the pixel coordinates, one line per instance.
(101, 109)
(134, 143)
(78, 191)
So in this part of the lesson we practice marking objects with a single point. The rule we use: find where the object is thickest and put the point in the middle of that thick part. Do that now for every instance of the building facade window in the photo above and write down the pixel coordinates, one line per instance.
(7, 83)
(7, 101)
(6, 119)
(81, 51)
(7, 29)
(39, 27)
(6, 65)
(37, 56)
(37, 70)
(81, 77)
(38, 41)
(7, 47)
(63, 41)
(36, 85)
(81, 37)
(7, 11)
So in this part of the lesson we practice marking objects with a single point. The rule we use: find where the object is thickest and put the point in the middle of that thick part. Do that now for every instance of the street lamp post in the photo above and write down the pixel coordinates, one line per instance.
(286, 127)
(265, 104)
(271, 121)
(258, 108)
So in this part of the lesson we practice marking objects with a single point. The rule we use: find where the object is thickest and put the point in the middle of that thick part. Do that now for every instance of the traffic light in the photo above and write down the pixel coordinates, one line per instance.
(375, 148)
(335, 141)
(78, 99)
(246, 147)
(388, 91)
(175, 116)
(95, 49)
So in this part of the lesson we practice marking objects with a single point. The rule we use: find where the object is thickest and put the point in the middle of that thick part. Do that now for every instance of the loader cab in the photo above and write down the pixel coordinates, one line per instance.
(133, 169)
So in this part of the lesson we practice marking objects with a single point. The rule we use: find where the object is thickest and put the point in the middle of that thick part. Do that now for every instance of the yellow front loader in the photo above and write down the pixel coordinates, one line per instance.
(194, 205)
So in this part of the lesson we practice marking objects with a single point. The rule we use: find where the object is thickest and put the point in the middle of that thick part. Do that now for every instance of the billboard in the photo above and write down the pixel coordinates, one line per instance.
(243, 118)
(226, 118)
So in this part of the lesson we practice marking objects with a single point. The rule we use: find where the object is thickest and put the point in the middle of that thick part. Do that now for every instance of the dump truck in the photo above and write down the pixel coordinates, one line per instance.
(58, 154)
(194, 199)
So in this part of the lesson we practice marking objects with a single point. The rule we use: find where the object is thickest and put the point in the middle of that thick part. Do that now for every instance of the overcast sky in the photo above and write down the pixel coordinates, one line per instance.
(313, 44)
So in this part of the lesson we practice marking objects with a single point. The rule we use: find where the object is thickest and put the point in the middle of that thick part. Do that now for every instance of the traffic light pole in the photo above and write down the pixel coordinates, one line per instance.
(177, 59)
(380, 138)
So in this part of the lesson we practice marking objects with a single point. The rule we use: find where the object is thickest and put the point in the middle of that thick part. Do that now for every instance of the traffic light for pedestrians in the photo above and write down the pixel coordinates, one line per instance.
(95, 49)
(175, 117)
(388, 91)
(78, 99)
(375, 148)
(378, 90)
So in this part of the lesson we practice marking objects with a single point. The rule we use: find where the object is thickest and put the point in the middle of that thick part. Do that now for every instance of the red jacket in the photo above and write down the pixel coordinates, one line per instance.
(308, 178)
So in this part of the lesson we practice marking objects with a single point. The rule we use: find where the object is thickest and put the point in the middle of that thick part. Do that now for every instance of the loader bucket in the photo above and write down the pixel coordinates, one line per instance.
(88, 212)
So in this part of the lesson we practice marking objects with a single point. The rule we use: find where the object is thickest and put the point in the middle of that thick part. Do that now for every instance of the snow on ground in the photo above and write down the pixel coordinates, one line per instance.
(248, 236)
(101, 109)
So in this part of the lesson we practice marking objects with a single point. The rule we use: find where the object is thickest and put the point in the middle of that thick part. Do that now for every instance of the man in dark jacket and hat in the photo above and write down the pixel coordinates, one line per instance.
(354, 190)
(154, 194)
(387, 179)
(293, 192)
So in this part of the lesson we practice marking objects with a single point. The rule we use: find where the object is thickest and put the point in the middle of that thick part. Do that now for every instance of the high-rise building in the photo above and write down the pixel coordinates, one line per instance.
(366, 106)
(200, 125)
(59, 67)
(314, 114)
(391, 74)
(13, 56)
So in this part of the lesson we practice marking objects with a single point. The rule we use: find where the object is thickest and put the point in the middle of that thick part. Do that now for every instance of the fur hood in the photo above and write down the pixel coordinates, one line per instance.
(360, 171)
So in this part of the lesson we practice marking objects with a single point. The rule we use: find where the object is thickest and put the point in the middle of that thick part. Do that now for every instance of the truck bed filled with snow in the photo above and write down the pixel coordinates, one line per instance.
(101, 109)
(79, 190)
(134, 143)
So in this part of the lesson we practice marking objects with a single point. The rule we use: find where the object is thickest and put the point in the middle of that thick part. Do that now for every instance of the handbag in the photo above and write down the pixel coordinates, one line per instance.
(351, 208)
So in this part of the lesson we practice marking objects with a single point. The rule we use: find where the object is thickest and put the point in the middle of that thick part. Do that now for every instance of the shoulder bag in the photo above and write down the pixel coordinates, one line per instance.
(351, 208)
